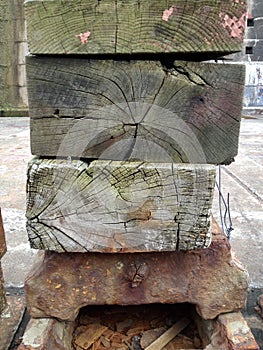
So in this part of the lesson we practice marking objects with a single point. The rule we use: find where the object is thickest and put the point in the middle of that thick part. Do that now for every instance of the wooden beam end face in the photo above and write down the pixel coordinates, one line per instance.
(180, 112)
(110, 27)
(119, 206)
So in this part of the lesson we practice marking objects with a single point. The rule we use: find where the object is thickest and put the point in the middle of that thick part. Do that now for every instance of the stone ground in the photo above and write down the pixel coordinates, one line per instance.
(243, 179)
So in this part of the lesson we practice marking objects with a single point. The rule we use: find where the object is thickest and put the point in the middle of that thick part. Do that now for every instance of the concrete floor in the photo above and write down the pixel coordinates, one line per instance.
(243, 179)
(15, 153)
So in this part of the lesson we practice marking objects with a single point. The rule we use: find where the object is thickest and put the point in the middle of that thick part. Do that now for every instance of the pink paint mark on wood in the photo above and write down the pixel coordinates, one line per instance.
(234, 25)
(83, 37)
(161, 47)
(167, 13)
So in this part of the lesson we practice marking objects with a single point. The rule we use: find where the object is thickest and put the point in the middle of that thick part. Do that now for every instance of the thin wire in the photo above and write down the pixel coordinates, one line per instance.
(226, 220)
(229, 227)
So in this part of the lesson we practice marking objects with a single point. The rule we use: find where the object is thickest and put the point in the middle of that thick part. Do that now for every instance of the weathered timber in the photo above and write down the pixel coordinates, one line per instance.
(13, 96)
(61, 283)
(147, 110)
(133, 26)
(166, 337)
(111, 206)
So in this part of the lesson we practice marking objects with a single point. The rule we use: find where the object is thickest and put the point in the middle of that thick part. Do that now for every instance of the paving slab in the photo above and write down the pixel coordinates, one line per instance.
(14, 156)
(243, 180)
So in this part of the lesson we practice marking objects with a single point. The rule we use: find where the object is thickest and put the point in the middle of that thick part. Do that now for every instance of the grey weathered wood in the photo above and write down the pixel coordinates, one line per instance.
(133, 26)
(13, 97)
(148, 110)
(169, 335)
(111, 206)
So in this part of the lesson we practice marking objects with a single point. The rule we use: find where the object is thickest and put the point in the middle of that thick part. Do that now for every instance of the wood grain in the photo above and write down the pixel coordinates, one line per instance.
(12, 39)
(167, 336)
(133, 26)
(147, 110)
(116, 206)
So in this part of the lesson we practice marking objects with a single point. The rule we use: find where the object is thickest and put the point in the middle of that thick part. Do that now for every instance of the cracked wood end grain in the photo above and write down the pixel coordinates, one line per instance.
(111, 206)
(135, 110)
(133, 26)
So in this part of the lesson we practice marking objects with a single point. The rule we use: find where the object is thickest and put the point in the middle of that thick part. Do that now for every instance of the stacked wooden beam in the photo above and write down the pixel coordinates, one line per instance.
(128, 124)
(13, 47)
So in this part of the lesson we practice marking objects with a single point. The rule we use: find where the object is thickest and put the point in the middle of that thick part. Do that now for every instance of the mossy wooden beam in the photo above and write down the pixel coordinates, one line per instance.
(135, 26)
(122, 110)
(111, 206)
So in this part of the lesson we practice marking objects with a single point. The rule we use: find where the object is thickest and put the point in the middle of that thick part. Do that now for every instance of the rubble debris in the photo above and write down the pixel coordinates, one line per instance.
(135, 327)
